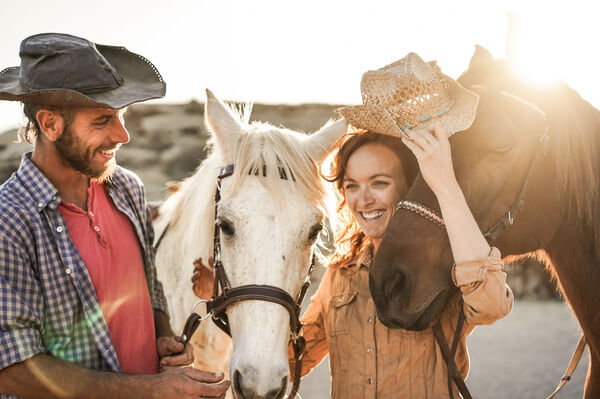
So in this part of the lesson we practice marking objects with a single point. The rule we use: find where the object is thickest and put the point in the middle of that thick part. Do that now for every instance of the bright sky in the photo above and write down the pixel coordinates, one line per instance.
(310, 50)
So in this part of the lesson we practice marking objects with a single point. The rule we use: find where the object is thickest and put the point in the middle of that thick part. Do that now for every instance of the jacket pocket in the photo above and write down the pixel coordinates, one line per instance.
(341, 308)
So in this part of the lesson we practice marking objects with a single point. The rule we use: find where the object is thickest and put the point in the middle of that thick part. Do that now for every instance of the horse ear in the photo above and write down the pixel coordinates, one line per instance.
(224, 125)
(481, 55)
(318, 144)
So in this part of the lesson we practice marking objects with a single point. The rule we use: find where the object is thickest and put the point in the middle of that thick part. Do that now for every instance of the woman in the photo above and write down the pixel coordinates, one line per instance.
(413, 101)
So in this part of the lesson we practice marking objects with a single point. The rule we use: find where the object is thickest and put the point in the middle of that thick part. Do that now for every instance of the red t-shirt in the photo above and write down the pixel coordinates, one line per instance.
(107, 243)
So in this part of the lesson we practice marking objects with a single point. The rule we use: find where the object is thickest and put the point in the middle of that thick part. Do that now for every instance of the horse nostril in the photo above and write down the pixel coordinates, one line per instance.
(398, 287)
(237, 386)
(278, 393)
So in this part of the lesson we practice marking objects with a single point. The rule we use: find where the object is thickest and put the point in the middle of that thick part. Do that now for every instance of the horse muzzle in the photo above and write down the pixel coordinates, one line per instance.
(244, 386)
(396, 310)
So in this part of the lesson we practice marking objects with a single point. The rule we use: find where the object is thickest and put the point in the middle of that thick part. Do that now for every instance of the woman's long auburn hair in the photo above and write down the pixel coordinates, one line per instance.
(351, 240)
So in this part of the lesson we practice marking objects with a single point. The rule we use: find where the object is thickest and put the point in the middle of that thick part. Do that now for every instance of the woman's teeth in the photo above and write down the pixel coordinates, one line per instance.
(372, 215)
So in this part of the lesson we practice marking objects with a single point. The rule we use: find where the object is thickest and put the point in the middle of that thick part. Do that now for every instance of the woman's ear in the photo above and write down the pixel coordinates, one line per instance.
(51, 124)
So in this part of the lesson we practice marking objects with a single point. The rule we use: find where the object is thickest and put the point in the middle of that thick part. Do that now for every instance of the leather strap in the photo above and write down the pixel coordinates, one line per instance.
(571, 367)
(162, 235)
(299, 346)
(191, 324)
(256, 292)
(448, 355)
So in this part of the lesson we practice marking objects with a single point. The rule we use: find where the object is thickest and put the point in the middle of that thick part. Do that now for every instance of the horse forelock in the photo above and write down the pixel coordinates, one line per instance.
(269, 152)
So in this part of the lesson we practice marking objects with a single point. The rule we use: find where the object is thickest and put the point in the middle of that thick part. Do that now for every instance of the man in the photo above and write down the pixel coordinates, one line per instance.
(82, 314)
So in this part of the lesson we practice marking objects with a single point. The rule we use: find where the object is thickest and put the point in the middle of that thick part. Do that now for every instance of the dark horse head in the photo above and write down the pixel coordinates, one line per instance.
(530, 172)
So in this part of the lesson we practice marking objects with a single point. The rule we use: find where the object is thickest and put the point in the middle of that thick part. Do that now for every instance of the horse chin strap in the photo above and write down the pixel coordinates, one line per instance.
(224, 295)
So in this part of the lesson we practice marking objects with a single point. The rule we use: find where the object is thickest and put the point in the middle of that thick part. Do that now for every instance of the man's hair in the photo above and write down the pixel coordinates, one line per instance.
(31, 130)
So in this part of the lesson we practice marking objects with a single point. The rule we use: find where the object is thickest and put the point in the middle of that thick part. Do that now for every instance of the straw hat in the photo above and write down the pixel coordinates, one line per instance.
(411, 94)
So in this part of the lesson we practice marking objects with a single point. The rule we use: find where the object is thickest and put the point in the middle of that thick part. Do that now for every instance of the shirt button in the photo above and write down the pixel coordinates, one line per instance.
(96, 228)
(91, 213)
(68, 271)
(370, 380)
(369, 320)
(40, 204)
(59, 229)
(369, 350)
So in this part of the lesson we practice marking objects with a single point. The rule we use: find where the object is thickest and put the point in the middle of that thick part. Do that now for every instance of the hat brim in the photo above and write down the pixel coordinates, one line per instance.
(141, 82)
(377, 119)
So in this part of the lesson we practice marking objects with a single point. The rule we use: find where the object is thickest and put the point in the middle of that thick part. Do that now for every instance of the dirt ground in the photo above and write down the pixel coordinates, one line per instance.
(521, 356)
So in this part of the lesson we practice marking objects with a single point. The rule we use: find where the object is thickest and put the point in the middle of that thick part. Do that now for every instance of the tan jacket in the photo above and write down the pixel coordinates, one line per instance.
(368, 360)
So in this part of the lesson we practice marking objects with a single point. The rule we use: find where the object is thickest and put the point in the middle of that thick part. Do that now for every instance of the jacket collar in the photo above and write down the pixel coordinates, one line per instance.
(363, 258)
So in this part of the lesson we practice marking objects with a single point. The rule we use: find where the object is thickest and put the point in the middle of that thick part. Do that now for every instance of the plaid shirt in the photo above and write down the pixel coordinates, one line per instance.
(47, 301)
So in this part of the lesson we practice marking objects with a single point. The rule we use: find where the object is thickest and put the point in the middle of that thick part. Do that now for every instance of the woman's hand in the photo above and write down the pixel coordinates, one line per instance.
(203, 278)
(432, 150)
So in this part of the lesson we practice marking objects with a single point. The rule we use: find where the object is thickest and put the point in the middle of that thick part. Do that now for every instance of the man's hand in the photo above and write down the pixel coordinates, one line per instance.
(173, 353)
(188, 382)
(44, 376)
(203, 278)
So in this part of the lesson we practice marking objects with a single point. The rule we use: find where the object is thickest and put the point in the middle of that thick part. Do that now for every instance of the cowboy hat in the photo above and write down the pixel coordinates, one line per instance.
(411, 94)
(64, 70)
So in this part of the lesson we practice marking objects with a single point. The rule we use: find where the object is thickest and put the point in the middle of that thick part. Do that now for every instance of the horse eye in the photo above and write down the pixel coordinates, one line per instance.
(503, 145)
(314, 232)
(226, 227)
(503, 149)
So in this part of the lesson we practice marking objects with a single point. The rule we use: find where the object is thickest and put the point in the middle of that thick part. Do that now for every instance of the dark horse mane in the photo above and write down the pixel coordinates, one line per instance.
(575, 125)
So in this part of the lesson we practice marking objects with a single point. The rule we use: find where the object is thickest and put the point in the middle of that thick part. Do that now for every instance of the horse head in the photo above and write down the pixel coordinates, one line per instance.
(270, 214)
(501, 165)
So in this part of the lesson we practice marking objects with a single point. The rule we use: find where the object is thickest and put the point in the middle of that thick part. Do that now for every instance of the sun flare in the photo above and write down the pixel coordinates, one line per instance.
(534, 48)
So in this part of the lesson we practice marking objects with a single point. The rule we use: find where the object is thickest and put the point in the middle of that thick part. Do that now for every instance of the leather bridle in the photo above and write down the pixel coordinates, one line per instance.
(225, 295)
(492, 233)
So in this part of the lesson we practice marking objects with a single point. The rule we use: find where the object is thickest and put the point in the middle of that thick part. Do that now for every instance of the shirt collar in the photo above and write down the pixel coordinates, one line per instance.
(363, 258)
(42, 191)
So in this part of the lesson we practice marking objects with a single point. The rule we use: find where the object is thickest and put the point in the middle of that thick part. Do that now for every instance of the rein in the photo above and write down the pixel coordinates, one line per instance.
(492, 233)
(224, 295)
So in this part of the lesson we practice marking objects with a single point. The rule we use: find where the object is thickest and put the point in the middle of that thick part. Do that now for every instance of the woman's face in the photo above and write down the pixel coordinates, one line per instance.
(373, 185)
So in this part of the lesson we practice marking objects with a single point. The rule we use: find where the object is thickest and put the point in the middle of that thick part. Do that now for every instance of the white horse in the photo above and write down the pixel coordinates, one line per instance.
(269, 226)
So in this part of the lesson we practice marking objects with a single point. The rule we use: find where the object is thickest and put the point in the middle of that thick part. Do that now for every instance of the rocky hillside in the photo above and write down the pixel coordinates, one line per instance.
(168, 141)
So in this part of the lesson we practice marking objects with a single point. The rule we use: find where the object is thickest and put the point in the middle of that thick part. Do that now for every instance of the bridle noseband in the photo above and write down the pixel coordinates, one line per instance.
(225, 295)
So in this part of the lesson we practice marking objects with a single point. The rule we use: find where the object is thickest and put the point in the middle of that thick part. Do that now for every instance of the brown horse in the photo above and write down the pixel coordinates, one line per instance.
(530, 171)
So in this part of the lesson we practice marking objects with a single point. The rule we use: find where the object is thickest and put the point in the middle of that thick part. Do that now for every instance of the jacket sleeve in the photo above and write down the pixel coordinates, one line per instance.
(482, 282)
(314, 330)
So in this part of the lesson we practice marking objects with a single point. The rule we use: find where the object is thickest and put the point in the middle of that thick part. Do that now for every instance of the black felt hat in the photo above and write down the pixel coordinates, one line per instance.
(64, 70)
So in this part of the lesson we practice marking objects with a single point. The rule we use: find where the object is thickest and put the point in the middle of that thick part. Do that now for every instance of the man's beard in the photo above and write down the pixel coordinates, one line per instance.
(73, 151)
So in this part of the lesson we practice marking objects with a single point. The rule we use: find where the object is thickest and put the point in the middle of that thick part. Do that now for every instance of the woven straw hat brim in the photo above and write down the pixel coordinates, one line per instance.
(373, 118)
(377, 119)
(141, 82)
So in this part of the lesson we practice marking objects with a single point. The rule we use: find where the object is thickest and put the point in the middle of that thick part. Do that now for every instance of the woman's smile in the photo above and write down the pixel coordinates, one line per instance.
(372, 186)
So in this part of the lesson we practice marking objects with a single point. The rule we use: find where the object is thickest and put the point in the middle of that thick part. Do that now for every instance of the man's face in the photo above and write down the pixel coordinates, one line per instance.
(90, 142)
